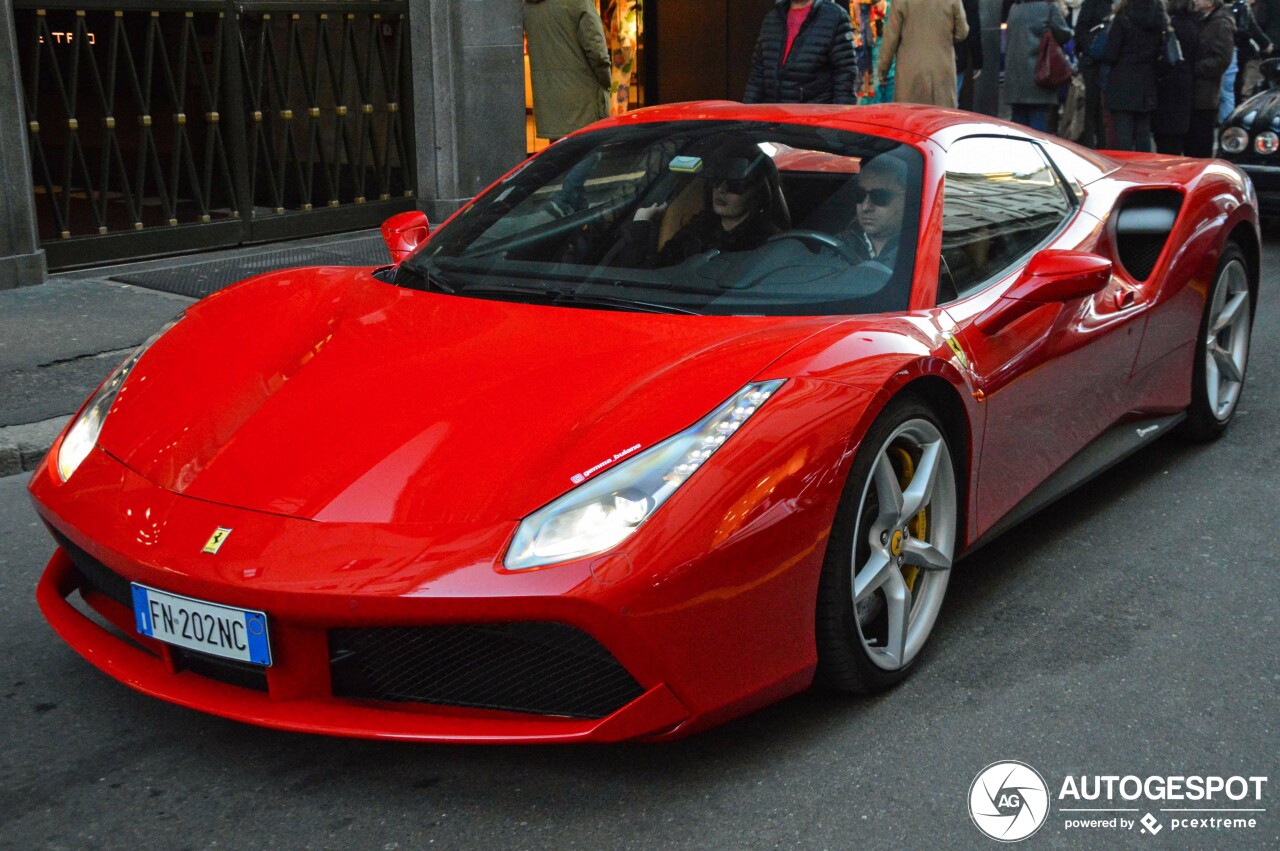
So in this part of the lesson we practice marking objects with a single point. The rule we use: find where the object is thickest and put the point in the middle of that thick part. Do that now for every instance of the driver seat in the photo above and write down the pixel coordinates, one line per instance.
(779, 213)
(688, 203)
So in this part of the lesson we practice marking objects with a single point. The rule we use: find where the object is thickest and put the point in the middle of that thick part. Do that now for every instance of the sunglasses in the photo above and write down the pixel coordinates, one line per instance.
(732, 185)
(877, 197)
(736, 175)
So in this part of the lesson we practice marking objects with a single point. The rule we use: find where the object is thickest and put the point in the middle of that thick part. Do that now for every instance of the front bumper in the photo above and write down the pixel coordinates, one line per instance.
(707, 622)
(144, 527)
(295, 702)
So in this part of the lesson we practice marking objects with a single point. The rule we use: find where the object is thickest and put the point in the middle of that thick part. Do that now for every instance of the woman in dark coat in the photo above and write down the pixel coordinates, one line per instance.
(743, 208)
(1174, 84)
(1133, 48)
(969, 54)
(1093, 13)
(1028, 20)
(1216, 30)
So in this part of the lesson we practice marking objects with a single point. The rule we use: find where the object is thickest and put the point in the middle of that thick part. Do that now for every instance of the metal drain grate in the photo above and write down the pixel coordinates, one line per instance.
(197, 280)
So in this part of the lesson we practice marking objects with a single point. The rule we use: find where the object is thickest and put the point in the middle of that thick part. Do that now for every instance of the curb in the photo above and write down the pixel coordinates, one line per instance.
(22, 446)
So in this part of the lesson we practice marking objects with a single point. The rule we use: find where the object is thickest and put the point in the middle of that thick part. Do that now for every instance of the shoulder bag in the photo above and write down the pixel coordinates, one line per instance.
(1052, 66)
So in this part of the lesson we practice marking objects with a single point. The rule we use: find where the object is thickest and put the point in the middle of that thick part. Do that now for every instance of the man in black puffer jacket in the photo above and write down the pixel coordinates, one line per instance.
(804, 55)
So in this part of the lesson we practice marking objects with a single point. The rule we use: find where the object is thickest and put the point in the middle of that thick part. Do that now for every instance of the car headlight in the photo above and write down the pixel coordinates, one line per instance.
(84, 432)
(1266, 143)
(605, 510)
(1234, 140)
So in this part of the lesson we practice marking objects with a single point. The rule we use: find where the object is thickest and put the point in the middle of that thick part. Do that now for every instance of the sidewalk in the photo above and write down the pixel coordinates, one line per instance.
(59, 340)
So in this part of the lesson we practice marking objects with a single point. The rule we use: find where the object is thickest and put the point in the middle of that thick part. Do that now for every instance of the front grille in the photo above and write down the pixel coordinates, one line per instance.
(540, 668)
(96, 576)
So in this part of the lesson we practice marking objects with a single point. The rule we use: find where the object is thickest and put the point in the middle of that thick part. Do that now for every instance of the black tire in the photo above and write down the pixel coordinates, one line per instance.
(1214, 390)
(855, 640)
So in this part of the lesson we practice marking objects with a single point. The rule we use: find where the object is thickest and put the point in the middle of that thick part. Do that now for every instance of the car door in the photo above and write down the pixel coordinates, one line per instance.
(1052, 380)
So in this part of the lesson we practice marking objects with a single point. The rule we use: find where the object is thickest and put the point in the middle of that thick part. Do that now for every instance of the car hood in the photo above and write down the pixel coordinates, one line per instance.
(326, 394)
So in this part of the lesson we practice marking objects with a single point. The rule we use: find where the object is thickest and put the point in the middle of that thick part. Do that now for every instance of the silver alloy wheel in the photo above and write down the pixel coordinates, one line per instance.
(903, 543)
(1226, 349)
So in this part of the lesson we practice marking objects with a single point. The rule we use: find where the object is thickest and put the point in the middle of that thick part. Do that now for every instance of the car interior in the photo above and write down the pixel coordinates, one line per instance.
(567, 218)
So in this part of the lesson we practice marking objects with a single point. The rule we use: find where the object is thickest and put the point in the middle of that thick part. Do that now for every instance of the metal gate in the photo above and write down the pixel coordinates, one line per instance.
(173, 125)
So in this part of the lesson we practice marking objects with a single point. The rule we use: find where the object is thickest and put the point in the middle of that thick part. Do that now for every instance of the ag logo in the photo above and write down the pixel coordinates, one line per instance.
(215, 540)
(1008, 801)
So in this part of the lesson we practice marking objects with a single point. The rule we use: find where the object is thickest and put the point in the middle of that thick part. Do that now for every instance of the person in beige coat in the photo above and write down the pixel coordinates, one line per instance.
(921, 34)
(568, 64)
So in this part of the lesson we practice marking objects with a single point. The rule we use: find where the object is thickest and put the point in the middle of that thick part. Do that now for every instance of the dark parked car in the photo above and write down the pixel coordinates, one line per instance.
(1251, 139)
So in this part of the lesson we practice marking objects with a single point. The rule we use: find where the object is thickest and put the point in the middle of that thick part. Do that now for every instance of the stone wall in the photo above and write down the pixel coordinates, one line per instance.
(468, 97)
(21, 260)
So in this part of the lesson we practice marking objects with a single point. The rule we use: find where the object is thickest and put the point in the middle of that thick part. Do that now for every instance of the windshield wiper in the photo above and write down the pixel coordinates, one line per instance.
(551, 295)
(491, 290)
(622, 302)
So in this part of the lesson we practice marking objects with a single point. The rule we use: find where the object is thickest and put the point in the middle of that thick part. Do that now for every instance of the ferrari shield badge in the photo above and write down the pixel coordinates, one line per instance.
(215, 540)
(959, 352)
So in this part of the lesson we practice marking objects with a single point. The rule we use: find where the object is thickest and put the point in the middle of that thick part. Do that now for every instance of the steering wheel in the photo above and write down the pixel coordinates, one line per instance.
(819, 240)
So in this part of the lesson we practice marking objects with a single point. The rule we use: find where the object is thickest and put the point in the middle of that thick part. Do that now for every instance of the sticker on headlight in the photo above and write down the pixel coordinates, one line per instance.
(579, 478)
(614, 498)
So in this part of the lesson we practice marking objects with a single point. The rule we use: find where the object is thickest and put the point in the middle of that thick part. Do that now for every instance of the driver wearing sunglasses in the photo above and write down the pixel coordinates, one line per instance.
(880, 199)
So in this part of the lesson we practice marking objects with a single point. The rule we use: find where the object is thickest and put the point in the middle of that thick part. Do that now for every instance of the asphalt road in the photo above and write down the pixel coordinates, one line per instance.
(1128, 630)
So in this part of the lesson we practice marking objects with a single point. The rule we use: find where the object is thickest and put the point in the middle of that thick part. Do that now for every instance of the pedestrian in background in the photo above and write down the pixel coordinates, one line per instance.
(969, 55)
(1242, 16)
(1216, 33)
(1028, 20)
(1268, 14)
(921, 35)
(804, 55)
(568, 65)
(620, 37)
(1070, 11)
(1089, 26)
(1134, 45)
(1175, 92)
(1252, 43)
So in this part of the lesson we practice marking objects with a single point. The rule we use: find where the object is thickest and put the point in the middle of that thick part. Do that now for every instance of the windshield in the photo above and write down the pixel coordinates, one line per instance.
(707, 217)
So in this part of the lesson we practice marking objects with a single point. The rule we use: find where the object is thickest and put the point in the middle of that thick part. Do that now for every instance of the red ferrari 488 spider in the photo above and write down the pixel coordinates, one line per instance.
(694, 409)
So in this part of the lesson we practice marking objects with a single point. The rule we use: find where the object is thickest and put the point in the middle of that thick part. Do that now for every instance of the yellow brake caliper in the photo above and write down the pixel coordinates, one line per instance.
(920, 524)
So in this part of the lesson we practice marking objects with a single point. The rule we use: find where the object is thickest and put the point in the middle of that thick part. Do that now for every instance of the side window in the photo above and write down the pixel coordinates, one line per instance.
(1001, 199)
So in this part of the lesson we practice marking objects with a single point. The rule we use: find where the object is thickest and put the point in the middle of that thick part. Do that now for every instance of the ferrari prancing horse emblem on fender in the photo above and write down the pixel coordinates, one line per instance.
(959, 352)
(215, 540)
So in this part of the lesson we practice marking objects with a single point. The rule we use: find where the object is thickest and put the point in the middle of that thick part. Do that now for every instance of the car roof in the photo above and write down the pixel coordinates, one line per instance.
(912, 124)
(907, 122)
(906, 119)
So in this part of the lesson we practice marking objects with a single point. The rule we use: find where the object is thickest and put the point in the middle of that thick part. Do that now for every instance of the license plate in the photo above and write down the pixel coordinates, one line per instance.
(199, 625)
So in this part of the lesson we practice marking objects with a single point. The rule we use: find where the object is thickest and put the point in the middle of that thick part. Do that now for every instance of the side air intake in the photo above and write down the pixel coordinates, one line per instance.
(1143, 226)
